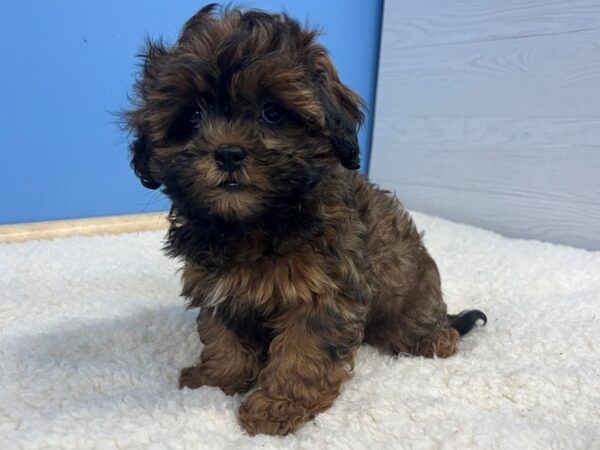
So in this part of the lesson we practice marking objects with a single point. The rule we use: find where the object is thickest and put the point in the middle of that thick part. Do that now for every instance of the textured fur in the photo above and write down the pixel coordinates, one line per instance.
(304, 259)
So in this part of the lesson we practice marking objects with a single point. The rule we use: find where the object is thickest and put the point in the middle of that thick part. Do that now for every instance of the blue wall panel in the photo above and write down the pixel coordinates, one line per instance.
(68, 65)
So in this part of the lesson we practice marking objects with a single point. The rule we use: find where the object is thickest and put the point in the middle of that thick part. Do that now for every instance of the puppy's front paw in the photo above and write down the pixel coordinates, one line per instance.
(191, 377)
(196, 376)
(262, 413)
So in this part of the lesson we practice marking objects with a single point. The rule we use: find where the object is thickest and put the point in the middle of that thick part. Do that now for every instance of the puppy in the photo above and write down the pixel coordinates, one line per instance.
(293, 258)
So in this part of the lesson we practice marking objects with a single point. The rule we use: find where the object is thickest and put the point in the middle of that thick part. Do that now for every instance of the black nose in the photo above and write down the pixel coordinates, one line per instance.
(230, 157)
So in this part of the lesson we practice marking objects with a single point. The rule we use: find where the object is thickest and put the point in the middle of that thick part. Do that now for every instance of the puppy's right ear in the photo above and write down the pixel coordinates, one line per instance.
(141, 152)
(137, 118)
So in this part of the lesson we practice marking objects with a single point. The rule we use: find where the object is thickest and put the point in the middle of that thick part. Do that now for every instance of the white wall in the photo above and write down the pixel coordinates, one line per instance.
(488, 112)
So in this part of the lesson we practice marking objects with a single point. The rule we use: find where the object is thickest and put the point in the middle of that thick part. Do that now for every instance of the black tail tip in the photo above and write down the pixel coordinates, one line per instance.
(464, 321)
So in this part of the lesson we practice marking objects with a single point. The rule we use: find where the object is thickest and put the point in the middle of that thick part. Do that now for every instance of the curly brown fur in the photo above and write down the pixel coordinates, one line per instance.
(293, 257)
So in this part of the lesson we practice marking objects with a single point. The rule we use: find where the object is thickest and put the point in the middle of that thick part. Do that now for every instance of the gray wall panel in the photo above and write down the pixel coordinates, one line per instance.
(489, 113)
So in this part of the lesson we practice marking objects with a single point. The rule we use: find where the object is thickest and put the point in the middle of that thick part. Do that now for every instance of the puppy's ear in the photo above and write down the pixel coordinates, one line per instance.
(343, 112)
(141, 151)
(136, 119)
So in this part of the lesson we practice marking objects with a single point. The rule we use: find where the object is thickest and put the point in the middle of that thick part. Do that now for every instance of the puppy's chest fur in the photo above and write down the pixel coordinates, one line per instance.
(260, 276)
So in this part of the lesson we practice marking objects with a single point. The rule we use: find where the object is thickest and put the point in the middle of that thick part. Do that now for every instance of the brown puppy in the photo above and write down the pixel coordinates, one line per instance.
(293, 257)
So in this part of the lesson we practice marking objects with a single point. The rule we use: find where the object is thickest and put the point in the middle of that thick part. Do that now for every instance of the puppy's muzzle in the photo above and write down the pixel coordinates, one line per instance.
(229, 157)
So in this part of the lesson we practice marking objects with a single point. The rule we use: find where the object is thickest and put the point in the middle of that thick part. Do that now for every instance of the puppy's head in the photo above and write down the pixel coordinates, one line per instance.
(244, 112)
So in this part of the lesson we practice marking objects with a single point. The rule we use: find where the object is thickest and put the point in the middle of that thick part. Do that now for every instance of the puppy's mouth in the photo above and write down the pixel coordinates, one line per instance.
(231, 185)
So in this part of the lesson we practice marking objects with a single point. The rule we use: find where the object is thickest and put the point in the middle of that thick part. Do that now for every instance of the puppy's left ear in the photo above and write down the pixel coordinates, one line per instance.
(343, 113)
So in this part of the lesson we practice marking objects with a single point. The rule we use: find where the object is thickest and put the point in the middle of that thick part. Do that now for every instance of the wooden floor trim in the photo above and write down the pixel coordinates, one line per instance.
(21, 232)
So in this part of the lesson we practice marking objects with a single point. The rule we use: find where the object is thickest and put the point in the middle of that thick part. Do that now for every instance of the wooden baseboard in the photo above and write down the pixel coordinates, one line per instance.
(21, 232)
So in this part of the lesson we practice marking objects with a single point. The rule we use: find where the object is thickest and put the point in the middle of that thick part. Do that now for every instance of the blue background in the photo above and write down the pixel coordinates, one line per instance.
(68, 65)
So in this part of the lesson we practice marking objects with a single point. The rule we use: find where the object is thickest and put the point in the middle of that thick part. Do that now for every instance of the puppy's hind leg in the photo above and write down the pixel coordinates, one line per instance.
(418, 323)
(443, 342)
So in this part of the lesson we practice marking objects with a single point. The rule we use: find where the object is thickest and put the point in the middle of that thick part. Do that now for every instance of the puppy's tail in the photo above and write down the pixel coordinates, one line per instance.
(465, 320)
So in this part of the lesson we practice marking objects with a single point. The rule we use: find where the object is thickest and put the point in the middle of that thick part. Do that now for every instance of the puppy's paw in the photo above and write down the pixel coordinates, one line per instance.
(196, 376)
(191, 377)
(261, 413)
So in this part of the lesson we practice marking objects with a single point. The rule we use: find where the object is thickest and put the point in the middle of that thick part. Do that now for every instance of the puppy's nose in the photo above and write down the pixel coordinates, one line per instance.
(230, 157)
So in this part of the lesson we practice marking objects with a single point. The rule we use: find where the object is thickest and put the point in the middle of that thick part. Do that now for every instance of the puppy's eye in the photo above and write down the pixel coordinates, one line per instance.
(272, 113)
(184, 126)
(194, 116)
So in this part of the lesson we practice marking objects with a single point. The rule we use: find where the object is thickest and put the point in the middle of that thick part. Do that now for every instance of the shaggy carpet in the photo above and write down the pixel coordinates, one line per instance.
(93, 334)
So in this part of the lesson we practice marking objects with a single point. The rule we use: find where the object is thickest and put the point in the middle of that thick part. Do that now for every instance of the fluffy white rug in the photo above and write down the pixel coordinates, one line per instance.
(93, 334)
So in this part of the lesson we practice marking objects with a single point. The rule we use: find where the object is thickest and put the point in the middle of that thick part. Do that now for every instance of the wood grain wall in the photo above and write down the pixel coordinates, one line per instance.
(488, 113)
